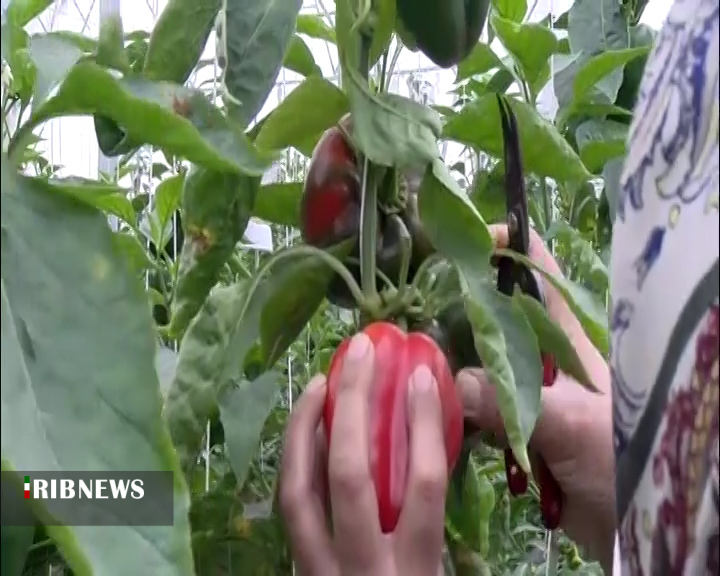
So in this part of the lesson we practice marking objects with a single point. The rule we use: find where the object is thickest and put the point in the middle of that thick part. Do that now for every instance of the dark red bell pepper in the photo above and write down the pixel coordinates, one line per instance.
(397, 355)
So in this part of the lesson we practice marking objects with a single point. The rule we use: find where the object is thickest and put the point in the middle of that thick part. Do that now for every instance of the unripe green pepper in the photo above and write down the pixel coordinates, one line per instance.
(445, 31)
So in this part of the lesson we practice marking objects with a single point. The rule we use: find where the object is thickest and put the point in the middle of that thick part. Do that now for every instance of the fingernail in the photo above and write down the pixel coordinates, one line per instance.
(359, 347)
(423, 381)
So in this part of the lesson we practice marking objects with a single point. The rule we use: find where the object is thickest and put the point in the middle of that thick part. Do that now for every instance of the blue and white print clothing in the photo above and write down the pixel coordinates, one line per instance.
(664, 316)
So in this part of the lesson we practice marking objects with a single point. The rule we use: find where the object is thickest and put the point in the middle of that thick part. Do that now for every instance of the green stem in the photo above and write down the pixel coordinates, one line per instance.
(329, 259)
(384, 80)
(405, 254)
(368, 210)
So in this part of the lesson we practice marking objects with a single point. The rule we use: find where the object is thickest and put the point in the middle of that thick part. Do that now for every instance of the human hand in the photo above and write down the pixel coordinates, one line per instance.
(317, 483)
(574, 431)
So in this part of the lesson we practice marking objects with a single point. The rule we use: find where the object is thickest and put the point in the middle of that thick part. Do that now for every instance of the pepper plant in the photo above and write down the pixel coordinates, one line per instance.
(90, 314)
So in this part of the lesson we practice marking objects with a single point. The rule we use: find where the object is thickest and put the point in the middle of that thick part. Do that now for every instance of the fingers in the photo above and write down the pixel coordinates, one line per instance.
(563, 407)
(419, 535)
(300, 505)
(354, 504)
(537, 251)
(479, 401)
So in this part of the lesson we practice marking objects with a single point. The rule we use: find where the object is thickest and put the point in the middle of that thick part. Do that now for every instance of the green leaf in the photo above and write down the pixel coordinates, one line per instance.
(392, 130)
(255, 36)
(15, 541)
(510, 353)
(489, 195)
(585, 261)
(531, 45)
(111, 45)
(167, 199)
(279, 203)
(513, 10)
(466, 513)
(545, 152)
(597, 26)
(452, 223)
(302, 283)
(216, 210)
(179, 38)
(298, 121)
(588, 309)
(69, 386)
(503, 338)
(109, 198)
(600, 141)
(151, 112)
(54, 58)
(598, 67)
(553, 340)
(134, 252)
(243, 411)
(21, 12)
(214, 349)
(482, 59)
(192, 397)
(166, 360)
(299, 58)
(315, 27)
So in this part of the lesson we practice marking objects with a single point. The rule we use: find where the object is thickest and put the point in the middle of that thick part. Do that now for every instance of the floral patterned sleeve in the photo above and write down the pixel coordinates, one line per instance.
(664, 318)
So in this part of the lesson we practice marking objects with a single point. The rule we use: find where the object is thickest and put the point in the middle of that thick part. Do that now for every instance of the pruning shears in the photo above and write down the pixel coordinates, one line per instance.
(510, 274)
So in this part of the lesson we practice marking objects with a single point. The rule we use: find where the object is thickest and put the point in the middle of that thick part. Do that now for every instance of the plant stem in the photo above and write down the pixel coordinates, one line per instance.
(368, 210)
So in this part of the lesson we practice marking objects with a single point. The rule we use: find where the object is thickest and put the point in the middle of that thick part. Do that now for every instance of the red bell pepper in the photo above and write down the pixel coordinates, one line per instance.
(397, 355)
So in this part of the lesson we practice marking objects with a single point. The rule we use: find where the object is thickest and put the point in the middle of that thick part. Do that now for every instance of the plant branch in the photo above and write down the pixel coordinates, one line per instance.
(368, 210)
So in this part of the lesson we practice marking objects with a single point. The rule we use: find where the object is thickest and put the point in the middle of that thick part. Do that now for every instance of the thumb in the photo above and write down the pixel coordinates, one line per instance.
(479, 401)
(554, 428)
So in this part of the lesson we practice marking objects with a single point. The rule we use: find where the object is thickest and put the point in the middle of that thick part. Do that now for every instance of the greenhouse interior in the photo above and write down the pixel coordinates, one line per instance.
(203, 201)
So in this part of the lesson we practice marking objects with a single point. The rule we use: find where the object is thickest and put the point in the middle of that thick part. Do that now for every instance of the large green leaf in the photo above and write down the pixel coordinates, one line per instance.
(21, 12)
(315, 27)
(78, 372)
(279, 203)
(243, 411)
(596, 26)
(392, 130)
(255, 35)
(215, 346)
(598, 67)
(503, 337)
(109, 198)
(600, 141)
(179, 38)
(216, 210)
(54, 57)
(586, 306)
(15, 541)
(299, 58)
(482, 59)
(299, 120)
(545, 152)
(179, 120)
(513, 10)
(300, 284)
(531, 45)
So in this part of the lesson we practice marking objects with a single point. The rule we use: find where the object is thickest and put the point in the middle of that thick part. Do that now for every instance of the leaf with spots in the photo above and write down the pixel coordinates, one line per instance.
(216, 209)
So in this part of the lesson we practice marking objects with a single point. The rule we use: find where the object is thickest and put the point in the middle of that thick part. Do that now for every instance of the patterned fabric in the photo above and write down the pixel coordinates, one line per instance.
(664, 321)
